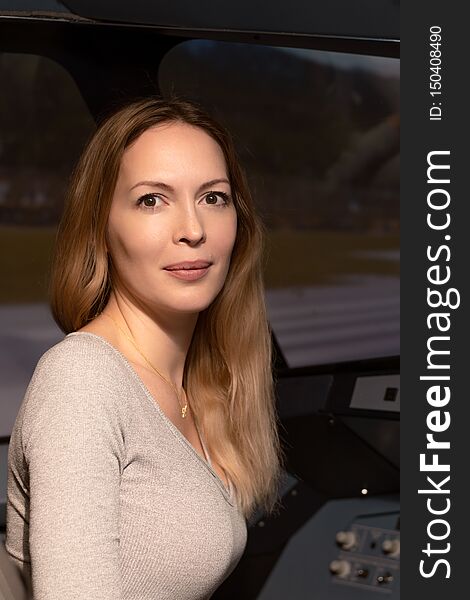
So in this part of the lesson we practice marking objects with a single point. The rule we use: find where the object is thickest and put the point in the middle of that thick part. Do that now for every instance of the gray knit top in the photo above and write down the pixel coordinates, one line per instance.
(106, 498)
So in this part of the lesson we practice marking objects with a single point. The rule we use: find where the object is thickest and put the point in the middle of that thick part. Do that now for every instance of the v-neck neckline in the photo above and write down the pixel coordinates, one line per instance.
(227, 493)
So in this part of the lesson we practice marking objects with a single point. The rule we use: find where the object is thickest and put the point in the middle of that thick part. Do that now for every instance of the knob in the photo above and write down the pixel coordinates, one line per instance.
(391, 547)
(346, 539)
(341, 568)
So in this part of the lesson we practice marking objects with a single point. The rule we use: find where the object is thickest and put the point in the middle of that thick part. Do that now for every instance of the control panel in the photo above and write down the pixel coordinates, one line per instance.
(367, 557)
(348, 550)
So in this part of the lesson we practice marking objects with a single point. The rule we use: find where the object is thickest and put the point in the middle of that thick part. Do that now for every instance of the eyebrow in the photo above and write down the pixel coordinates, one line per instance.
(169, 188)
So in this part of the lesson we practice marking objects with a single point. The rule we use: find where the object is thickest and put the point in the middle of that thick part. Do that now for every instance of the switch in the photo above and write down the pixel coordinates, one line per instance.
(363, 573)
(385, 578)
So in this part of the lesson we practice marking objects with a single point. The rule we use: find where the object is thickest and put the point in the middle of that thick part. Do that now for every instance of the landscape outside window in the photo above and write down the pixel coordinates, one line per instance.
(318, 133)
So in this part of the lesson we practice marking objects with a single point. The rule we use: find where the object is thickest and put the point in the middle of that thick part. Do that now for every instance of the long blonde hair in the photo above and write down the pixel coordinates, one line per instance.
(228, 370)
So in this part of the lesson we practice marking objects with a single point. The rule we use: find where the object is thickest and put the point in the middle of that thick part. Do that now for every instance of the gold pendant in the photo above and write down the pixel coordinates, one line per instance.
(183, 411)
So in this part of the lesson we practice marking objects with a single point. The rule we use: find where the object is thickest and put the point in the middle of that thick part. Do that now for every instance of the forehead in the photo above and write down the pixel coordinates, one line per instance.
(173, 149)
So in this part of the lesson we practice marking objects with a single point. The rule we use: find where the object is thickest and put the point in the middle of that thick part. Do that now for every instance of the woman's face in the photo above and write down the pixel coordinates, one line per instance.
(172, 203)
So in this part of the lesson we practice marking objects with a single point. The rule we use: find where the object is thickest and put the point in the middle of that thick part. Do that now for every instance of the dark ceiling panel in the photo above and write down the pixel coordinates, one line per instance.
(19, 6)
(377, 19)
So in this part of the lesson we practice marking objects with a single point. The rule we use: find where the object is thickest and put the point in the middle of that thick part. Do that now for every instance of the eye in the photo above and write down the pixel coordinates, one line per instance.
(149, 201)
(212, 198)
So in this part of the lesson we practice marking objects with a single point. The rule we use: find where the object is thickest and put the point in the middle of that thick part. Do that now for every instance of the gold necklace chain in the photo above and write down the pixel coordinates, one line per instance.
(183, 408)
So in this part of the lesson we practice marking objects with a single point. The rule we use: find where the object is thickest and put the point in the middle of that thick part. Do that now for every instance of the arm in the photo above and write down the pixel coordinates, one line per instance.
(74, 449)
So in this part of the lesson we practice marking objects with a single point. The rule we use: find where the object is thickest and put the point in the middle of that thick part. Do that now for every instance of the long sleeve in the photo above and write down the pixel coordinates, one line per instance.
(74, 450)
(106, 498)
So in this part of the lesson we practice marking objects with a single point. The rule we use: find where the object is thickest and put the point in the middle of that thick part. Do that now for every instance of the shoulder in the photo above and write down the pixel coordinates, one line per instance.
(80, 354)
(78, 381)
(83, 364)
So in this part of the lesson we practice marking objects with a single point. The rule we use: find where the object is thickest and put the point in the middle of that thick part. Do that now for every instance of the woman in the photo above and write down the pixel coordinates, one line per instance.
(148, 435)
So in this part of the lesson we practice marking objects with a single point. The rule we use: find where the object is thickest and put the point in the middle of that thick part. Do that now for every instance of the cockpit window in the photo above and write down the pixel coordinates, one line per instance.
(318, 134)
(44, 124)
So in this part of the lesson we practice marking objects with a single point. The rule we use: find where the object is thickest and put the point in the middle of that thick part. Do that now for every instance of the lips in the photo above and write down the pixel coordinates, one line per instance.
(188, 265)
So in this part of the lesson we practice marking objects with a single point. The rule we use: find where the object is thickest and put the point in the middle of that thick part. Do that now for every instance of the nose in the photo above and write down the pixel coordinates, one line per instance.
(190, 226)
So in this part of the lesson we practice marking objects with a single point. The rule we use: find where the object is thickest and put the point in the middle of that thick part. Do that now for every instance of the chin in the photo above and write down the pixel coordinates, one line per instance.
(190, 307)
(195, 307)
(194, 300)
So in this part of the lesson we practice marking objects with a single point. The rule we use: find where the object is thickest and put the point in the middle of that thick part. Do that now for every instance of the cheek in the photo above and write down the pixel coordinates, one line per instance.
(130, 245)
(226, 235)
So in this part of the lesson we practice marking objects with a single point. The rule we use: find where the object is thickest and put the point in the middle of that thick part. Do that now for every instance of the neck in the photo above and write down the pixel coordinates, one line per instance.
(163, 338)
